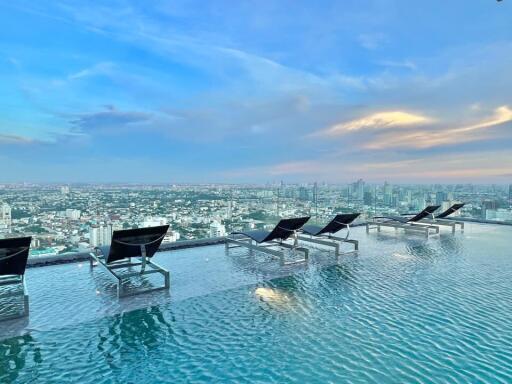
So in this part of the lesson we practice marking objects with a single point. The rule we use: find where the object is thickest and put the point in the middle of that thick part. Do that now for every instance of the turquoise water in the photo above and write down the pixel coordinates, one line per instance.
(412, 311)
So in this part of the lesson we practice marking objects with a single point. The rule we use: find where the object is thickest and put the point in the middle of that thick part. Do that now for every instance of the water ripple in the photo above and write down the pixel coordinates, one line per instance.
(404, 310)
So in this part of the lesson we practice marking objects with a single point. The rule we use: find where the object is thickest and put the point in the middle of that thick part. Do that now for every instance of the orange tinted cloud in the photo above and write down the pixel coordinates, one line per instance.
(427, 139)
(376, 121)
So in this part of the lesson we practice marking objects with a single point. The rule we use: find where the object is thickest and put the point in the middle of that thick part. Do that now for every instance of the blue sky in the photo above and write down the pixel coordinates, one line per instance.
(256, 91)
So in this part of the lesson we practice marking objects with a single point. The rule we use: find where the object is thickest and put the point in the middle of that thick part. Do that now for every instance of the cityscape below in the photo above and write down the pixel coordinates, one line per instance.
(76, 218)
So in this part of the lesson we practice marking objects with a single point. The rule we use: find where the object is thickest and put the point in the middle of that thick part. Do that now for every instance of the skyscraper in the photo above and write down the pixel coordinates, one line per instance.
(5, 218)
(359, 189)
(217, 229)
(368, 198)
(388, 193)
(100, 235)
(440, 197)
(303, 194)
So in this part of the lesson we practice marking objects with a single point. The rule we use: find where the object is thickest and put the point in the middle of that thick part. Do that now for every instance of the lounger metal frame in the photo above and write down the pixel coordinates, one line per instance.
(442, 222)
(15, 280)
(247, 242)
(410, 226)
(330, 240)
(127, 263)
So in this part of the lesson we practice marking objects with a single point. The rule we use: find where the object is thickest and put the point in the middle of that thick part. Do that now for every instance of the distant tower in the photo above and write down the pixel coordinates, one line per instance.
(5, 217)
(217, 229)
(388, 194)
(230, 209)
(441, 196)
(100, 235)
(315, 198)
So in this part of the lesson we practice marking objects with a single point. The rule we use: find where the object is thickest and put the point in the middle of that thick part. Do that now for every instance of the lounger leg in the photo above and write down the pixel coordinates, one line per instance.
(144, 259)
(167, 277)
(120, 288)
(26, 307)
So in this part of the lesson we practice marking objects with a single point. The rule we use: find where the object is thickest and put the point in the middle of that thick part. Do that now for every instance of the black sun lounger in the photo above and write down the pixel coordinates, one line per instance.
(13, 262)
(265, 240)
(139, 243)
(454, 208)
(406, 222)
(325, 235)
(440, 219)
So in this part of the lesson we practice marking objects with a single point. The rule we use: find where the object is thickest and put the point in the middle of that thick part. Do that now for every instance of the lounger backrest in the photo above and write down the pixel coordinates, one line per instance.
(449, 211)
(285, 228)
(425, 213)
(339, 222)
(127, 243)
(14, 255)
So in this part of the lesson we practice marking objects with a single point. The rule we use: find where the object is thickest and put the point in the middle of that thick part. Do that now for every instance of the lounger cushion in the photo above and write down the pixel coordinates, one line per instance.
(258, 236)
(126, 243)
(425, 213)
(400, 219)
(282, 231)
(14, 255)
(454, 208)
(313, 230)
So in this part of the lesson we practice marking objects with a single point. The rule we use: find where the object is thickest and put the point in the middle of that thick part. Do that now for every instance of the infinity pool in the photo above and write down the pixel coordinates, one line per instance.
(405, 309)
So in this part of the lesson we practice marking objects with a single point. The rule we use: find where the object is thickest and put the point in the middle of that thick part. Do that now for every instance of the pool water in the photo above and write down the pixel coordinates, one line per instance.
(404, 309)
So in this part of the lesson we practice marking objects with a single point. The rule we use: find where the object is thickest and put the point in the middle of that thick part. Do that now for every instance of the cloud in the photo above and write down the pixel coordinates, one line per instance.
(406, 64)
(15, 139)
(372, 41)
(477, 166)
(111, 119)
(469, 167)
(102, 68)
(421, 139)
(376, 121)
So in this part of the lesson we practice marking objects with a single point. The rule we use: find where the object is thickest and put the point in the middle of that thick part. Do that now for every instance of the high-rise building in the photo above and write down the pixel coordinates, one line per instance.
(315, 192)
(64, 190)
(230, 210)
(171, 237)
(358, 189)
(510, 194)
(73, 214)
(303, 194)
(388, 194)
(217, 229)
(100, 235)
(368, 198)
(154, 221)
(440, 197)
(488, 205)
(5, 217)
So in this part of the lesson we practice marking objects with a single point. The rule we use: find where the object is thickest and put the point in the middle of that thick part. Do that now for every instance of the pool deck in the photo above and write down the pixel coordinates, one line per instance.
(66, 294)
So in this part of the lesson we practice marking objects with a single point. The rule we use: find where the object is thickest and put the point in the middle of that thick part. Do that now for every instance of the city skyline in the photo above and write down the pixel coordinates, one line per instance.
(66, 219)
(137, 92)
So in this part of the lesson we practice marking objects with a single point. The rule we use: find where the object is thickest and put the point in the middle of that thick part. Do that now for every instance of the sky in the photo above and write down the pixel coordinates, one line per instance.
(256, 91)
